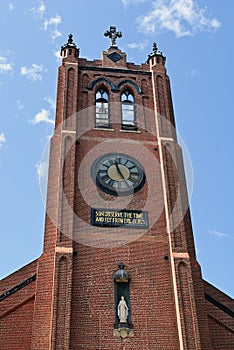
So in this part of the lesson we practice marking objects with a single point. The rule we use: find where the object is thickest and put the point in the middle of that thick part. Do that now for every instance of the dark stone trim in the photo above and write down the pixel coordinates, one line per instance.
(18, 287)
(127, 81)
(112, 86)
(115, 70)
(115, 57)
(219, 305)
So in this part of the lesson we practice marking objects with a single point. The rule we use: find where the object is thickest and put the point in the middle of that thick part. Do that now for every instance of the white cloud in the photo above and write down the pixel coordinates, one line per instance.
(42, 117)
(51, 102)
(52, 24)
(2, 139)
(38, 10)
(5, 66)
(140, 45)
(192, 73)
(218, 234)
(58, 56)
(183, 17)
(41, 8)
(55, 34)
(127, 2)
(53, 21)
(19, 104)
(11, 6)
(34, 72)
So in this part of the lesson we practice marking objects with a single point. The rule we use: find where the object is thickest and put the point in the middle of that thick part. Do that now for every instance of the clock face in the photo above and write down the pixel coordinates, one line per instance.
(118, 174)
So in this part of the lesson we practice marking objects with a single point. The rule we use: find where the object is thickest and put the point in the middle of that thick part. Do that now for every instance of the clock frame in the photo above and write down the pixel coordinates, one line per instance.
(118, 174)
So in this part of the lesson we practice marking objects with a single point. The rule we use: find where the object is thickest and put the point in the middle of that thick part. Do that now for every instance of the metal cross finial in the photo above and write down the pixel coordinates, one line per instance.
(113, 35)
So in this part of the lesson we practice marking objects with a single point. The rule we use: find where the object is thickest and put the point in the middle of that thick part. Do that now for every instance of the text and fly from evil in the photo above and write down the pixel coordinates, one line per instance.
(115, 218)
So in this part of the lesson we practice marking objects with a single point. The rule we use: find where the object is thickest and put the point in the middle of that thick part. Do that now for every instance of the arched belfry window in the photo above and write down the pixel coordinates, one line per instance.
(102, 109)
(128, 111)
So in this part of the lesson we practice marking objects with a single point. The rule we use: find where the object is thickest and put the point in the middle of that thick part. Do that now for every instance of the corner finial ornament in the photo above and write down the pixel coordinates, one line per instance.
(113, 35)
(70, 39)
(155, 48)
(71, 45)
(156, 52)
(70, 42)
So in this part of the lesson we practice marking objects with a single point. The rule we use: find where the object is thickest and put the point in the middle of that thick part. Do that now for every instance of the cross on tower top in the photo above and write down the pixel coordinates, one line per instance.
(113, 35)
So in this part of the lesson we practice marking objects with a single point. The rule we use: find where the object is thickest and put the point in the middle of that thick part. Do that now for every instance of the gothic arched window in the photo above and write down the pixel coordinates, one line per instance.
(102, 109)
(128, 111)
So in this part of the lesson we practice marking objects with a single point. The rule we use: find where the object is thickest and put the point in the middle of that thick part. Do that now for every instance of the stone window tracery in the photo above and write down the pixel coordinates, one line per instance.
(102, 119)
(128, 111)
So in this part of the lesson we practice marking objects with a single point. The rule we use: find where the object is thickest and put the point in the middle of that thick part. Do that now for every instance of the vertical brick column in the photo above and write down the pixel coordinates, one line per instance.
(188, 291)
(51, 326)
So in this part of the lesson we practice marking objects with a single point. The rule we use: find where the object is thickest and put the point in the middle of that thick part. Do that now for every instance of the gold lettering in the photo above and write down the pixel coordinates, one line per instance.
(118, 220)
(119, 217)
(107, 219)
(100, 213)
(138, 216)
(128, 215)
(99, 219)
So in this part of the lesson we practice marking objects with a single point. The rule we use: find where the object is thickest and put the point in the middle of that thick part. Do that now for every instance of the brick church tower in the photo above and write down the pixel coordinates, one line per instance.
(118, 269)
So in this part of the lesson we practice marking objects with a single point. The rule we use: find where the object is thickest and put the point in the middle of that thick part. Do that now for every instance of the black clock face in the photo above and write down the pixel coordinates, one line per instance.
(118, 174)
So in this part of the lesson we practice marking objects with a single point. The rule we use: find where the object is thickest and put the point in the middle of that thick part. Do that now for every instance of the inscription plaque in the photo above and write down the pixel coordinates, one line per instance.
(118, 218)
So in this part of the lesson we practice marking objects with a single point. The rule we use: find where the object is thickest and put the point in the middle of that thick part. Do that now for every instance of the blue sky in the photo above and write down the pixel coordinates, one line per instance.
(197, 38)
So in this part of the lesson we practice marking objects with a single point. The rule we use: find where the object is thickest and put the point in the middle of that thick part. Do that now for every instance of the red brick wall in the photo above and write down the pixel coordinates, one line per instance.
(221, 324)
(18, 276)
(151, 297)
(16, 310)
(222, 337)
(16, 327)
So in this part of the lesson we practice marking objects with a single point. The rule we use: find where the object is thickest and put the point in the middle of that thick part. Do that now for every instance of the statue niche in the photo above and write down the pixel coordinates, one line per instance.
(123, 326)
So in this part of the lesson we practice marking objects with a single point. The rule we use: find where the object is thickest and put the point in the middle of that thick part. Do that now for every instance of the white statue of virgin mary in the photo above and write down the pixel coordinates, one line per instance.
(122, 310)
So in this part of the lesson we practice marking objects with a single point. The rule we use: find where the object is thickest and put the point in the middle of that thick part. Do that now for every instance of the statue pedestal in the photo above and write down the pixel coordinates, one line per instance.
(123, 330)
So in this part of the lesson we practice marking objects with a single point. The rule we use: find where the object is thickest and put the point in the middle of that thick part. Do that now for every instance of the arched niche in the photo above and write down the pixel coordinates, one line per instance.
(122, 328)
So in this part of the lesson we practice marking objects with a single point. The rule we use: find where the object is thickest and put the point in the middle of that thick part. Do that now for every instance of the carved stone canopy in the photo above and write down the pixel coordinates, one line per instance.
(121, 275)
